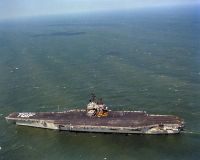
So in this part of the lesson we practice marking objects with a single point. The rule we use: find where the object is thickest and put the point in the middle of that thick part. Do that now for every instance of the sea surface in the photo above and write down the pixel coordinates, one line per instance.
(147, 59)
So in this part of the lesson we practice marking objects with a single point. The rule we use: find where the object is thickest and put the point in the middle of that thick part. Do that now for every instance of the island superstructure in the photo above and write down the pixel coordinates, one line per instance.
(97, 118)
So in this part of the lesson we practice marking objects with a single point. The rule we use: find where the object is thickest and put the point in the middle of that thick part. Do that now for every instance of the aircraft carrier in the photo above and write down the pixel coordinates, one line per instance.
(97, 118)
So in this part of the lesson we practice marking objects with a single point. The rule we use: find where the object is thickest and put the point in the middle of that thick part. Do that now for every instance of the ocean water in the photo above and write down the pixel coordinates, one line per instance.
(135, 60)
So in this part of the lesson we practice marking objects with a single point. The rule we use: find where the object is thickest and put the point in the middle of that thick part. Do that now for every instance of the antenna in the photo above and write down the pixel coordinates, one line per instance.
(101, 101)
(93, 99)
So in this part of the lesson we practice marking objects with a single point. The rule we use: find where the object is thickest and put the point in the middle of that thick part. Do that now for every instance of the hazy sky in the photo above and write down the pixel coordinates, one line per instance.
(22, 8)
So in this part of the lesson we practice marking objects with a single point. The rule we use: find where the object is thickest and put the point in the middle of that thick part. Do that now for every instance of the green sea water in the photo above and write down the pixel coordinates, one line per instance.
(135, 60)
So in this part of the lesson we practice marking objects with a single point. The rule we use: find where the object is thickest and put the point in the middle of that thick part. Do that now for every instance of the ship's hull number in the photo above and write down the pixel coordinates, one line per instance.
(26, 115)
